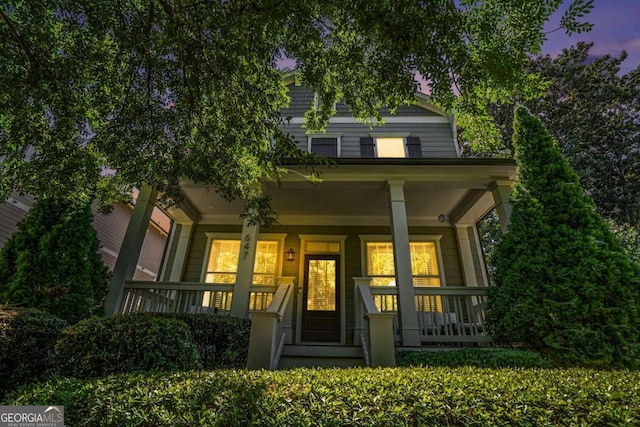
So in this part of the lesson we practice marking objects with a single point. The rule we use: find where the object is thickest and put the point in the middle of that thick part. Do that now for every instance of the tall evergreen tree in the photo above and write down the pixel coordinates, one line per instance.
(564, 284)
(52, 262)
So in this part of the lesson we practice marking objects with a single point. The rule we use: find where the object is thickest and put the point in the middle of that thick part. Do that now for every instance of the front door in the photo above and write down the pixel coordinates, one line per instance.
(321, 299)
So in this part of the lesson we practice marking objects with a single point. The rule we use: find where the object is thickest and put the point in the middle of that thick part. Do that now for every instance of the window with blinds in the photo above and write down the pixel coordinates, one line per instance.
(424, 264)
(223, 262)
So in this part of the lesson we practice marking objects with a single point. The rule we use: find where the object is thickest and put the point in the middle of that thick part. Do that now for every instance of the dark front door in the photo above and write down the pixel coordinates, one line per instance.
(321, 299)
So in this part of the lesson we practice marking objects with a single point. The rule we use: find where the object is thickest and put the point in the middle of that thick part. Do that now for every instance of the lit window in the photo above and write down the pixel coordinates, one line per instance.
(424, 264)
(223, 262)
(390, 147)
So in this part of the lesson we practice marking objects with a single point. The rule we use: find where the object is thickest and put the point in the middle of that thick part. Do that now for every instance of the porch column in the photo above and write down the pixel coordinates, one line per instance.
(402, 259)
(244, 276)
(501, 191)
(131, 246)
(184, 237)
(466, 255)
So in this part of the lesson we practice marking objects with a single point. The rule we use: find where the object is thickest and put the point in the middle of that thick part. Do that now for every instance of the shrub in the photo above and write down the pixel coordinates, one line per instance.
(478, 357)
(27, 340)
(564, 285)
(337, 397)
(222, 341)
(131, 343)
(52, 262)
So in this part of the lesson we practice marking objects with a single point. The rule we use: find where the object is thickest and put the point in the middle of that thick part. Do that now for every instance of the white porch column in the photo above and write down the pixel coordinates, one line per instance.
(501, 191)
(466, 255)
(402, 259)
(184, 237)
(131, 246)
(244, 276)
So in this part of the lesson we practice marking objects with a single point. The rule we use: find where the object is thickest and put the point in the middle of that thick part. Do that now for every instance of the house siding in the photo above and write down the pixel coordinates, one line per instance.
(302, 98)
(437, 140)
(110, 230)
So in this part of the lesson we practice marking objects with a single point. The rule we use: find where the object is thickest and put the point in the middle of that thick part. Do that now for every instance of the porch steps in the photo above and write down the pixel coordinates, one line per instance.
(320, 356)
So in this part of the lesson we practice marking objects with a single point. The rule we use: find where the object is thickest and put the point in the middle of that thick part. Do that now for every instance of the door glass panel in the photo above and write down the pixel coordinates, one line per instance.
(321, 294)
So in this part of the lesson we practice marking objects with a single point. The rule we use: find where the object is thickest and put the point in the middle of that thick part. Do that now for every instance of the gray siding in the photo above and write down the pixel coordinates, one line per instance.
(302, 98)
(436, 138)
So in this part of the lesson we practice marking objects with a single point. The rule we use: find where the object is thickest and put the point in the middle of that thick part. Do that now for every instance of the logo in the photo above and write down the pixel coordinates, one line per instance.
(31, 416)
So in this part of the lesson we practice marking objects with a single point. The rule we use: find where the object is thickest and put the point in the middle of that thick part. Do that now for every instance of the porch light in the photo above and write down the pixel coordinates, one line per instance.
(442, 217)
(290, 254)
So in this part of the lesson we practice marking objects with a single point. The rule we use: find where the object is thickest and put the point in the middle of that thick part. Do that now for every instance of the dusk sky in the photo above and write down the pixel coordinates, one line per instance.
(616, 28)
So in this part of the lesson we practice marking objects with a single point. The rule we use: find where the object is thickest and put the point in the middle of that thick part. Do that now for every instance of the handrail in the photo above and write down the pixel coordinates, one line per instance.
(377, 332)
(367, 299)
(267, 337)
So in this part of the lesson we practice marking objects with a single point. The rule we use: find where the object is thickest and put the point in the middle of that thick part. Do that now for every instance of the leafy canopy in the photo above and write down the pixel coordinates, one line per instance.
(112, 94)
(594, 113)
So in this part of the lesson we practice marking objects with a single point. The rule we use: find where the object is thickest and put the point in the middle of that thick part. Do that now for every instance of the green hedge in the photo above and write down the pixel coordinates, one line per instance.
(27, 340)
(478, 357)
(132, 343)
(222, 341)
(367, 397)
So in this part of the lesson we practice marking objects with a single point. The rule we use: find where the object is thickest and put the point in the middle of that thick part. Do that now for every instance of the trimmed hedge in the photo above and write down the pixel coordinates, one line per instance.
(222, 341)
(27, 340)
(331, 397)
(97, 346)
(478, 357)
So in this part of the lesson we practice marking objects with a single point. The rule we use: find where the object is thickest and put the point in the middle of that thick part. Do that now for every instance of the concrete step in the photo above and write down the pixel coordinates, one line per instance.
(325, 356)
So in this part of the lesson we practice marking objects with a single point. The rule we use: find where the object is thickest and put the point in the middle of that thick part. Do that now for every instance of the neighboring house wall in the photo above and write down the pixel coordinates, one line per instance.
(110, 229)
(11, 213)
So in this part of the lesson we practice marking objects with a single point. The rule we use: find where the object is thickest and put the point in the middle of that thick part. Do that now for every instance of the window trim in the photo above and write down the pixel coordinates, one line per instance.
(211, 236)
(338, 137)
(413, 238)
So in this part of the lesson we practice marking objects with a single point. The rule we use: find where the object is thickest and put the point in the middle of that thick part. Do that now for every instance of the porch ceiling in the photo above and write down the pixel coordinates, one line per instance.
(357, 194)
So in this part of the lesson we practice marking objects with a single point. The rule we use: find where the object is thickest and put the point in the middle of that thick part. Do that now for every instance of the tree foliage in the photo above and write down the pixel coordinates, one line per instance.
(564, 285)
(594, 113)
(52, 262)
(114, 94)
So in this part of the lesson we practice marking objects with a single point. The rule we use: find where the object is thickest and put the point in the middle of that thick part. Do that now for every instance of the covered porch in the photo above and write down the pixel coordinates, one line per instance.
(330, 225)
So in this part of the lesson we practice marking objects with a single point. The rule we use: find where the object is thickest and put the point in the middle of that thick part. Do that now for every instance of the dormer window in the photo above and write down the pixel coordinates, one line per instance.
(390, 146)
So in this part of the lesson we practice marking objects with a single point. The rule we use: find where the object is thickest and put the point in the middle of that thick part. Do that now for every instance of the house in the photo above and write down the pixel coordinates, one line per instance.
(109, 228)
(384, 253)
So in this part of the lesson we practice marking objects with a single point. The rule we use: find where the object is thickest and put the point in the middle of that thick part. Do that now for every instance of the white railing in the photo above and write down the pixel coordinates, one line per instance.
(268, 335)
(187, 297)
(451, 314)
(375, 329)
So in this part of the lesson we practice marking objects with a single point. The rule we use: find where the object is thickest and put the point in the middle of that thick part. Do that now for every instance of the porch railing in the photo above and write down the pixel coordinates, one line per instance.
(377, 334)
(268, 330)
(450, 314)
(188, 297)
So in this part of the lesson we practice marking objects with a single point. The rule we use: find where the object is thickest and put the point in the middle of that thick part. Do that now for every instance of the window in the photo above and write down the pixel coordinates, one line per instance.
(424, 263)
(390, 146)
(325, 145)
(223, 261)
